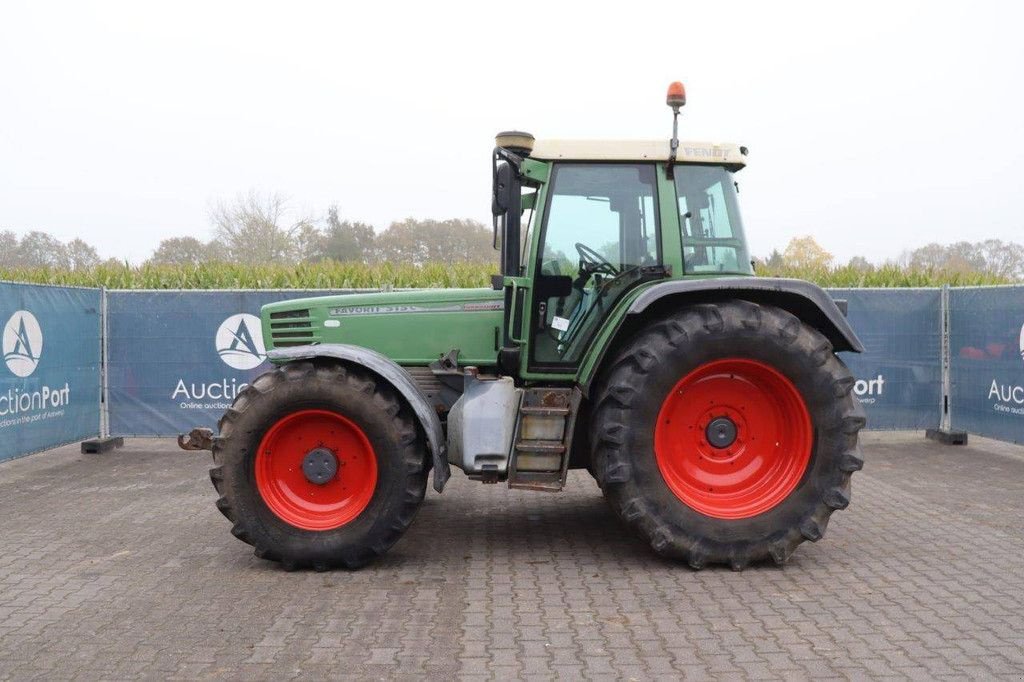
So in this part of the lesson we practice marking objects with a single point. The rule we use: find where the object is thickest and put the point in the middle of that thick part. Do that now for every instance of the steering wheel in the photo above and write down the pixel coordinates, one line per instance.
(593, 262)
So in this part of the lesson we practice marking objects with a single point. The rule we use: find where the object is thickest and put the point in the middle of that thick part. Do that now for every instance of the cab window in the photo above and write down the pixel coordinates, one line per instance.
(601, 226)
(709, 221)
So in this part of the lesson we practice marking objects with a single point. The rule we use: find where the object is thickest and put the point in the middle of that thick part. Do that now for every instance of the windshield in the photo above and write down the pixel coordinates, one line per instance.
(709, 220)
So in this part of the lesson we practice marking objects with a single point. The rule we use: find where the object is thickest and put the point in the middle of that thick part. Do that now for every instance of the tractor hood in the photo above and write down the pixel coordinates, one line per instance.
(410, 327)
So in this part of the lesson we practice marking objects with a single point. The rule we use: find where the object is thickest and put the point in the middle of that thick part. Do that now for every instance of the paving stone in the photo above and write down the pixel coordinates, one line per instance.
(119, 566)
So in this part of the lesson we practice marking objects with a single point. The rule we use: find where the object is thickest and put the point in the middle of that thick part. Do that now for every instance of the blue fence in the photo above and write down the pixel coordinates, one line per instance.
(986, 338)
(176, 359)
(899, 376)
(50, 382)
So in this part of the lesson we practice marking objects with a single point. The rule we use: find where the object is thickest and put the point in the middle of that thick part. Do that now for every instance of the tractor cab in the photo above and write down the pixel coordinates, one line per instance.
(582, 224)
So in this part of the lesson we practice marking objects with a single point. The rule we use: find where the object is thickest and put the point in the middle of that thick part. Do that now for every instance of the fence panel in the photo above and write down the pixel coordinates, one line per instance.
(50, 382)
(178, 358)
(986, 339)
(899, 376)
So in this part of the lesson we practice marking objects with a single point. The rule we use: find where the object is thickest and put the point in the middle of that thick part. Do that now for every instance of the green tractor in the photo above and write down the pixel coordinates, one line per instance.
(626, 335)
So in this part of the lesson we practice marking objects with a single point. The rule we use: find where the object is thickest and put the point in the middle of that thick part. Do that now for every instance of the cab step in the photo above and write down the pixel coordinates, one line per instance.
(543, 438)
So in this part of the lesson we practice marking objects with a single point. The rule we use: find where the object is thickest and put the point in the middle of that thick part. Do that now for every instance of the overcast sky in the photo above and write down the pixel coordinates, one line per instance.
(875, 127)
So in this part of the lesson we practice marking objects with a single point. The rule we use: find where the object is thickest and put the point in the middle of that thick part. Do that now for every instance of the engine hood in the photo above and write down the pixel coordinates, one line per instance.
(410, 327)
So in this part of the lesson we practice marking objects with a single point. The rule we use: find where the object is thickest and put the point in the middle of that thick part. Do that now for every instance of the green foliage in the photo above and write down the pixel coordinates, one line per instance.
(334, 275)
(885, 276)
(322, 275)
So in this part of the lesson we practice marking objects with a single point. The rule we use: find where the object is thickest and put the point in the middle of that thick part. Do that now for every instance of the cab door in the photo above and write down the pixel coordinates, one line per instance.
(598, 238)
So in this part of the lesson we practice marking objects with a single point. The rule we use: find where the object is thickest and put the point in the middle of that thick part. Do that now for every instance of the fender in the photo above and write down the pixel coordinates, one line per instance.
(807, 301)
(391, 372)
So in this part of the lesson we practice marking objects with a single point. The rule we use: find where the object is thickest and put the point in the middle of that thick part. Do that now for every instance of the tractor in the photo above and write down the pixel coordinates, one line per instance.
(626, 335)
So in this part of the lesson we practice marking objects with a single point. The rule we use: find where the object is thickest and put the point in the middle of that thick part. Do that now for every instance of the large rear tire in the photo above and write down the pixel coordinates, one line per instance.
(319, 465)
(727, 433)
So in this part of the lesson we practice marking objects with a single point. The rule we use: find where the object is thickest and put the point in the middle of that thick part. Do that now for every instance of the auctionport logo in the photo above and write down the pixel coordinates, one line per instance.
(21, 404)
(868, 391)
(22, 343)
(1008, 398)
(240, 342)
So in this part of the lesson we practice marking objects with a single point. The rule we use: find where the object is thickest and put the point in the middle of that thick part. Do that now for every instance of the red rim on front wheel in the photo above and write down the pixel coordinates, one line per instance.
(733, 438)
(316, 469)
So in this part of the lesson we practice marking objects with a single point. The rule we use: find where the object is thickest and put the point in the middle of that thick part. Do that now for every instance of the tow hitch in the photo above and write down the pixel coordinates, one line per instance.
(196, 439)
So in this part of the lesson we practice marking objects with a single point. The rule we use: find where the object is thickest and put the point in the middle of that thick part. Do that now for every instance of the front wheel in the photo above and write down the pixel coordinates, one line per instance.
(727, 433)
(319, 465)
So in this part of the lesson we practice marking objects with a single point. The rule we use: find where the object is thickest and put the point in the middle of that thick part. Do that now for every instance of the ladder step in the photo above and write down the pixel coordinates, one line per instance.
(540, 454)
(550, 482)
(535, 461)
(552, 447)
(546, 411)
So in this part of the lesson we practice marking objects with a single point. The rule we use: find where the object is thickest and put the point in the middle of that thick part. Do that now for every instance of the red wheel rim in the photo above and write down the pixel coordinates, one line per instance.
(284, 486)
(772, 439)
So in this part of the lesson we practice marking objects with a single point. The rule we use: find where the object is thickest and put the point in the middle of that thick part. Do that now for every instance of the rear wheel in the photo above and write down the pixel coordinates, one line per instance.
(727, 433)
(319, 465)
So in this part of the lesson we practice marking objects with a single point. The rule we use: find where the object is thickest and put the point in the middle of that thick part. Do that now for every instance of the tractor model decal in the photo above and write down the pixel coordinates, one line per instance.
(389, 309)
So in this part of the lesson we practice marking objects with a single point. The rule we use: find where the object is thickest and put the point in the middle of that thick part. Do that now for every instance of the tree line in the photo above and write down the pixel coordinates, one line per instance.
(38, 250)
(1002, 260)
(260, 229)
(255, 229)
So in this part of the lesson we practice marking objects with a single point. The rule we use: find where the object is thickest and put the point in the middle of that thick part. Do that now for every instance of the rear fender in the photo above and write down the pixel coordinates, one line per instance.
(807, 301)
(391, 372)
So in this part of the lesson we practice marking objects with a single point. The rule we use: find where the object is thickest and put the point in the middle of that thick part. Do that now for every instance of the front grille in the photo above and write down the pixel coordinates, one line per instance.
(292, 328)
(285, 314)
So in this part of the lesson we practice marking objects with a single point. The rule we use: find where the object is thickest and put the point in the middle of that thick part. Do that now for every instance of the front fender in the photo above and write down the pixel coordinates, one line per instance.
(391, 372)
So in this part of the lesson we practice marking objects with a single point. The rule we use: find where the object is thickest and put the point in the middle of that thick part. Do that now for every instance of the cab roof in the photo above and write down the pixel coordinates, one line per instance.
(730, 155)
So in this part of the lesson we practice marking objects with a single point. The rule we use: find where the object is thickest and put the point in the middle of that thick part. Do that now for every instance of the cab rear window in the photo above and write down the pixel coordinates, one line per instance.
(709, 221)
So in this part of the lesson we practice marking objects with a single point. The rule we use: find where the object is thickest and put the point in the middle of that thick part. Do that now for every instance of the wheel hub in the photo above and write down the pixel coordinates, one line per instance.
(721, 432)
(319, 465)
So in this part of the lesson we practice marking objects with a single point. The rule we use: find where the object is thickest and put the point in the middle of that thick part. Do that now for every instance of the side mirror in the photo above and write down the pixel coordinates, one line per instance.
(501, 198)
(501, 193)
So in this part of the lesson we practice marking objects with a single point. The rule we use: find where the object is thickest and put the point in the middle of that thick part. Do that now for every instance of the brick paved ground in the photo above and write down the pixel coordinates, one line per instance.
(119, 566)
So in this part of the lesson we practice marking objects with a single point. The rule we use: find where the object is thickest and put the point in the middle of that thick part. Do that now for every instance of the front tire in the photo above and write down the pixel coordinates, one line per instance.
(727, 433)
(319, 465)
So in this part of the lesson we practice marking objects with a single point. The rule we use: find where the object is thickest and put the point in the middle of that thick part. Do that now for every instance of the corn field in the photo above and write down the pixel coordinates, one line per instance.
(323, 275)
(885, 276)
(334, 275)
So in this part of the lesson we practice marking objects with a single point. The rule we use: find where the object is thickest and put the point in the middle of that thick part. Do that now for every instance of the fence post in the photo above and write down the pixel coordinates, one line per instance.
(104, 397)
(947, 418)
(945, 433)
(104, 443)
